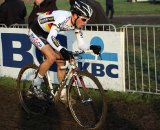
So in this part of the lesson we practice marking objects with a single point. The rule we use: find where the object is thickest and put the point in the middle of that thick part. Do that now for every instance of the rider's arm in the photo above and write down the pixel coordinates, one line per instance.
(51, 39)
(81, 44)
(84, 46)
(55, 43)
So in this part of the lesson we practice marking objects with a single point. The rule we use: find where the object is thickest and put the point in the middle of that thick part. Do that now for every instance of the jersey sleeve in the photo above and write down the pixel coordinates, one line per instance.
(52, 38)
(80, 41)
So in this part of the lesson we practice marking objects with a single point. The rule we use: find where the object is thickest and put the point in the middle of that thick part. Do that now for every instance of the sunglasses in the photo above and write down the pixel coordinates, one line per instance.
(84, 19)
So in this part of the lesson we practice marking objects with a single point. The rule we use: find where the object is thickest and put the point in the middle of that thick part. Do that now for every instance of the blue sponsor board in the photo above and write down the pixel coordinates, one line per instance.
(98, 69)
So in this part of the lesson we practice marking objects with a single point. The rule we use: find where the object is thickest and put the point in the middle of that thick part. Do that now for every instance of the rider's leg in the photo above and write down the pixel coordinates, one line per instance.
(51, 57)
(60, 75)
(60, 72)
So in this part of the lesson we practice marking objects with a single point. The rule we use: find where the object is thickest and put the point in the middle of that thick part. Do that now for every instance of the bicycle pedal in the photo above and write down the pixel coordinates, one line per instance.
(29, 94)
(48, 96)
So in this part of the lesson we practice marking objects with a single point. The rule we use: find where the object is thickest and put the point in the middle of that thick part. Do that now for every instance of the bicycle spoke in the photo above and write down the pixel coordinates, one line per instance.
(89, 106)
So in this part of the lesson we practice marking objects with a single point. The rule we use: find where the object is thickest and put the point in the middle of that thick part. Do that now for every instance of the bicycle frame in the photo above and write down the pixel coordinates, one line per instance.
(72, 71)
(69, 72)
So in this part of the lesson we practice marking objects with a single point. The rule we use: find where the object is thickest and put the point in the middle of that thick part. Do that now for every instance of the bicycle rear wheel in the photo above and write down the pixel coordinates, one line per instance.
(28, 100)
(86, 100)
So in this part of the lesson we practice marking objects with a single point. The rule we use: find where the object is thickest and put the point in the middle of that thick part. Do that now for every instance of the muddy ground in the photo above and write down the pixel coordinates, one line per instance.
(121, 115)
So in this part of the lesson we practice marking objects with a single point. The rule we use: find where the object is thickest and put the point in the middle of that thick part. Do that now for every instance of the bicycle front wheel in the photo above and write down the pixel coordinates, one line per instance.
(28, 100)
(86, 100)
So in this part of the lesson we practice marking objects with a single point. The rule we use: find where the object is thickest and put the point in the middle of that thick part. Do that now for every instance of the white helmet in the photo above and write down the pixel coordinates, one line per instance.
(82, 8)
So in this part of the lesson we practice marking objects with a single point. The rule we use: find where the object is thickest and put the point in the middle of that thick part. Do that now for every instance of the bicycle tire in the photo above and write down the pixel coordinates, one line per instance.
(29, 102)
(88, 115)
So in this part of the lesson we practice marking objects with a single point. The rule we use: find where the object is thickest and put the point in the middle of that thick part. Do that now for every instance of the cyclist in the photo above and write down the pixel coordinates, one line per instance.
(43, 32)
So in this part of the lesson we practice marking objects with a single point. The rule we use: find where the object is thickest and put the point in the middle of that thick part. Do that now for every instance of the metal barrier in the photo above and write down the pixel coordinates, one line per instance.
(14, 26)
(3, 26)
(18, 26)
(100, 27)
(142, 53)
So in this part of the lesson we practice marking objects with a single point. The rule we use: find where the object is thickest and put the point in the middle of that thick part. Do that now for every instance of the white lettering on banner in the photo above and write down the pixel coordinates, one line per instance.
(17, 51)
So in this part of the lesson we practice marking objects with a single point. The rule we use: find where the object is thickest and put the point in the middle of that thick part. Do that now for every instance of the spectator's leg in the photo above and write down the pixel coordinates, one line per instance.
(112, 12)
(107, 11)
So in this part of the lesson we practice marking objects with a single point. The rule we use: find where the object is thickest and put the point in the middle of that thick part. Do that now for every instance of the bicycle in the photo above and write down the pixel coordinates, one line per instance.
(84, 93)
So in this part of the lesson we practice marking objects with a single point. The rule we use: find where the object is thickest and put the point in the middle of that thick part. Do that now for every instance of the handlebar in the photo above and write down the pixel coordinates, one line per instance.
(76, 53)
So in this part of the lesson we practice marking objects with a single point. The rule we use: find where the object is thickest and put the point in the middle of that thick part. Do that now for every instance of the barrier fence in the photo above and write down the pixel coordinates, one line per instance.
(3, 26)
(142, 53)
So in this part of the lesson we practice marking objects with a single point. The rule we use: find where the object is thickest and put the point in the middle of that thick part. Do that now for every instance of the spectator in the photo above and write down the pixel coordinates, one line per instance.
(71, 2)
(41, 6)
(1, 1)
(109, 9)
(12, 12)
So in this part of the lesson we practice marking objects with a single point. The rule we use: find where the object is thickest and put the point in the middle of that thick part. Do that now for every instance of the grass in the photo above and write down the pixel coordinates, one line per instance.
(126, 8)
(122, 7)
(132, 97)
(10, 83)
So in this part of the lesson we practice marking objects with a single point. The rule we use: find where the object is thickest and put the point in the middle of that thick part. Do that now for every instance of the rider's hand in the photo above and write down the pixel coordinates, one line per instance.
(66, 54)
(96, 49)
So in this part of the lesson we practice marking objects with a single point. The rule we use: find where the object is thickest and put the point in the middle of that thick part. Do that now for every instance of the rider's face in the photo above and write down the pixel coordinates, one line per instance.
(81, 22)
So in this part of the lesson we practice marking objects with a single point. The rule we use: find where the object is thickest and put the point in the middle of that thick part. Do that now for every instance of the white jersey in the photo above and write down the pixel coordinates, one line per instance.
(60, 18)
(53, 22)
